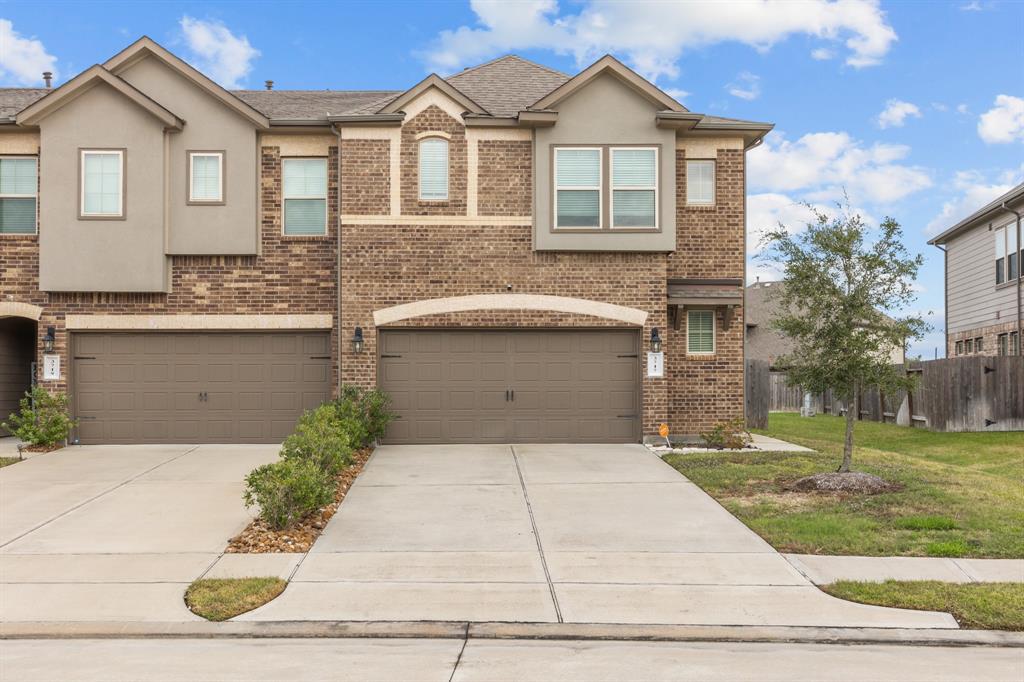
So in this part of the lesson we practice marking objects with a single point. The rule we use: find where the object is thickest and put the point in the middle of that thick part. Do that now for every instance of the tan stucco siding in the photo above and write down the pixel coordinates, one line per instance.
(19, 143)
(102, 255)
(299, 145)
(707, 147)
(228, 229)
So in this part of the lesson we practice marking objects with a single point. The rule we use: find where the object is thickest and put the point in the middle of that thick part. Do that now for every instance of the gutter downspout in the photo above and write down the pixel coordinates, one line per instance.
(1020, 336)
(341, 343)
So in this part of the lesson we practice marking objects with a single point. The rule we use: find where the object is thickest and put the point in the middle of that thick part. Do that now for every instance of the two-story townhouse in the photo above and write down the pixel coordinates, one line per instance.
(983, 255)
(512, 253)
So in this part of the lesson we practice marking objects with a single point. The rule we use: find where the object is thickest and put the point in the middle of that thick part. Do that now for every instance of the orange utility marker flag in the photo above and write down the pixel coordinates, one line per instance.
(663, 432)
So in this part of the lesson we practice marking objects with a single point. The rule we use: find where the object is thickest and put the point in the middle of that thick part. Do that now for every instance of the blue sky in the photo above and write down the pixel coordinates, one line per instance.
(915, 109)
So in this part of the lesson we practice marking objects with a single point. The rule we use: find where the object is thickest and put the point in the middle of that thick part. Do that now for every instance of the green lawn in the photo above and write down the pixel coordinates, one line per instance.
(985, 606)
(963, 494)
(218, 599)
(7, 461)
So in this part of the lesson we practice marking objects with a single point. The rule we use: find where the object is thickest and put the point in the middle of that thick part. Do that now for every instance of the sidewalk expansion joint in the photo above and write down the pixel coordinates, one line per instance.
(536, 535)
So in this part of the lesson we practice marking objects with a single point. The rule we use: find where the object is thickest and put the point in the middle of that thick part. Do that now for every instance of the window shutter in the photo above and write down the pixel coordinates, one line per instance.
(434, 169)
(206, 177)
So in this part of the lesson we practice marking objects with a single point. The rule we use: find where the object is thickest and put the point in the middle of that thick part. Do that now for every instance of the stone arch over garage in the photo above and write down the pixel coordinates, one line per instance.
(538, 302)
(16, 309)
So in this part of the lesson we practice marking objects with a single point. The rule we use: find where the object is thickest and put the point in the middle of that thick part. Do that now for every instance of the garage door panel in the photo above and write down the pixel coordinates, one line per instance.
(511, 385)
(135, 396)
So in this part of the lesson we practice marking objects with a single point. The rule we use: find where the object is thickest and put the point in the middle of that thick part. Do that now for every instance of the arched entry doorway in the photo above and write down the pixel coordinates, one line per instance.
(17, 353)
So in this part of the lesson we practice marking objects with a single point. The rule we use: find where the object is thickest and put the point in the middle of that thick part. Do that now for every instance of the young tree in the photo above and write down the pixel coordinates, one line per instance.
(839, 275)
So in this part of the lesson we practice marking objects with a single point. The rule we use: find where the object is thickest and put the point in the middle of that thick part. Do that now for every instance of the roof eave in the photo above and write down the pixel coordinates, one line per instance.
(986, 211)
(371, 119)
(433, 81)
(608, 63)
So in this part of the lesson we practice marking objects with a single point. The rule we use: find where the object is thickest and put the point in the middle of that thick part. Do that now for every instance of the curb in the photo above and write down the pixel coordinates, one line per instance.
(495, 630)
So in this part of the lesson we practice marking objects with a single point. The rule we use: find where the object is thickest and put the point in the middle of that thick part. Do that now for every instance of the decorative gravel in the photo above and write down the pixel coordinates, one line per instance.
(259, 538)
(849, 482)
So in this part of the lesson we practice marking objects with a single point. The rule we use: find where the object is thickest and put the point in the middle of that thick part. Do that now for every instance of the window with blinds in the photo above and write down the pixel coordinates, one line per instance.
(700, 332)
(103, 183)
(18, 188)
(434, 169)
(305, 196)
(700, 182)
(577, 187)
(206, 177)
(634, 187)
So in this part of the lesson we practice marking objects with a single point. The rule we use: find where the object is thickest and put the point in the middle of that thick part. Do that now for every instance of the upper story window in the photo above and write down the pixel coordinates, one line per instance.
(1008, 257)
(206, 177)
(434, 169)
(700, 332)
(18, 188)
(634, 187)
(305, 196)
(700, 182)
(578, 188)
(103, 181)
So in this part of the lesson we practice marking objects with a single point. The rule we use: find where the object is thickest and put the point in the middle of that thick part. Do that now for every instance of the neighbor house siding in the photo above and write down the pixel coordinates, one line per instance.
(974, 301)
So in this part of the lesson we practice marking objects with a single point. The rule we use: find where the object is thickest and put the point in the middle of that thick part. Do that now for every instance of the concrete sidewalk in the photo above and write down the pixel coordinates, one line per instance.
(116, 533)
(822, 570)
(550, 533)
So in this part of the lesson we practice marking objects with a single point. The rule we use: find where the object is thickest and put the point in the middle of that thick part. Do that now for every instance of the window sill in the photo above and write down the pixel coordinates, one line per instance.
(1008, 285)
(7, 235)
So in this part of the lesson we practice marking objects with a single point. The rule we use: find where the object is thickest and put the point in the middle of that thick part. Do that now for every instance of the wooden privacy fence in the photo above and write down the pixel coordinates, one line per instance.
(978, 393)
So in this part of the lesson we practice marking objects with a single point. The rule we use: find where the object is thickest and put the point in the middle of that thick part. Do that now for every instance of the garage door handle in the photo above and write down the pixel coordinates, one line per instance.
(319, 357)
(390, 356)
(634, 355)
(625, 416)
(84, 357)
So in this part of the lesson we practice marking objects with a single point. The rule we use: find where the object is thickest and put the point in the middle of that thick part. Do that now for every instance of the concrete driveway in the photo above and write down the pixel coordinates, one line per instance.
(551, 533)
(117, 532)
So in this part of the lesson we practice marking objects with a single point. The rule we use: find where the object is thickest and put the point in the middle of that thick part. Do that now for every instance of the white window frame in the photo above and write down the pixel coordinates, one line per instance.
(34, 195)
(120, 186)
(327, 191)
(714, 182)
(419, 168)
(599, 188)
(220, 176)
(714, 333)
(612, 188)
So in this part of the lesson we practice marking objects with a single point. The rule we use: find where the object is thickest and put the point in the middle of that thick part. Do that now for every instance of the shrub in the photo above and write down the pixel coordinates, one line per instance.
(43, 418)
(320, 438)
(363, 413)
(732, 435)
(287, 490)
(377, 413)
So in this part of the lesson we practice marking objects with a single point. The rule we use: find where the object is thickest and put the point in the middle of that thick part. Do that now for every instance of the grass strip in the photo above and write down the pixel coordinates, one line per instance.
(219, 599)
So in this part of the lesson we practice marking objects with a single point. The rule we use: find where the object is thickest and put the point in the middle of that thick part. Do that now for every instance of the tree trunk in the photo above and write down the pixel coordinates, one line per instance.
(848, 441)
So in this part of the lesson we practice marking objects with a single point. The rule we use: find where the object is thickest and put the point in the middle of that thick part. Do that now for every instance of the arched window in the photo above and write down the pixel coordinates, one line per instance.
(434, 169)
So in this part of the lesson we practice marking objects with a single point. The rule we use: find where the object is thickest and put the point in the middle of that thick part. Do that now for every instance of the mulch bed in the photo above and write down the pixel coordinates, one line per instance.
(42, 448)
(849, 482)
(259, 538)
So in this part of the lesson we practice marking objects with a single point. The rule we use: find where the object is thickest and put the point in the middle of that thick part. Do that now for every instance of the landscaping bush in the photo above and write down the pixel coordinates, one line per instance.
(322, 438)
(363, 413)
(43, 418)
(287, 490)
(732, 435)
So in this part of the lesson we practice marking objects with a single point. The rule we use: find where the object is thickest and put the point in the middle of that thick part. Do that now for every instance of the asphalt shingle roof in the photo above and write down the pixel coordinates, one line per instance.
(314, 104)
(507, 85)
(13, 100)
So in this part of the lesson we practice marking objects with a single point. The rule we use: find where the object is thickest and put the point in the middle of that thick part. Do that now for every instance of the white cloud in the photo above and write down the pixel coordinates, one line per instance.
(939, 106)
(822, 54)
(23, 60)
(971, 190)
(217, 52)
(652, 35)
(1004, 122)
(822, 165)
(962, 109)
(973, 6)
(746, 86)
(767, 210)
(896, 113)
(678, 94)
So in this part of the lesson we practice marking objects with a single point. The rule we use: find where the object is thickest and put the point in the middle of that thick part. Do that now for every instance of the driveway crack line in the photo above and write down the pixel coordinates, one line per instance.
(462, 650)
(536, 535)
(99, 495)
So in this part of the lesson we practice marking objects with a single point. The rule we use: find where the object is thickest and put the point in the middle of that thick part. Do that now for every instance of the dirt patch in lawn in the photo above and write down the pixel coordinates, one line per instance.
(849, 482)
(259, 538)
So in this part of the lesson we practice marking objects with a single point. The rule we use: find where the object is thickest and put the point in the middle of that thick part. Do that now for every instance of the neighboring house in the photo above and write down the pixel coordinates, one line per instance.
(983, 257)
(768, 344)
(497, 250)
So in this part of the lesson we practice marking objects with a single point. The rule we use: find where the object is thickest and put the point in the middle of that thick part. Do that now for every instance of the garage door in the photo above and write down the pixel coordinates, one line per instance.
(196, 387)
(512, 386)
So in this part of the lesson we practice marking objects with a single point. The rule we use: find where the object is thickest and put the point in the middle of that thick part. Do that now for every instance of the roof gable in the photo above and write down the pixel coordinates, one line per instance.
(84, 82)
(147, 47)
(611, 65)
(433, 81)
(507, 85)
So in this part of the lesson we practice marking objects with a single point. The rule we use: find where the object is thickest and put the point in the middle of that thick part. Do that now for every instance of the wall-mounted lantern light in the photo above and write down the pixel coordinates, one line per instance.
(49, 339)
(655, 340)
(357, 340)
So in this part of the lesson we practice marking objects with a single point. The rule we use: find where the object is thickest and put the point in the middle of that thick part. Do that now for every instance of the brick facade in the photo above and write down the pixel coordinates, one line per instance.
(434, 120)
(505, 177)
(989, 336)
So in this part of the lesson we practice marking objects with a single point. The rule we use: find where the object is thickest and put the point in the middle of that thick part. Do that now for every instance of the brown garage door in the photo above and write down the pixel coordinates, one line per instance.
(196, 387)
(512, 386)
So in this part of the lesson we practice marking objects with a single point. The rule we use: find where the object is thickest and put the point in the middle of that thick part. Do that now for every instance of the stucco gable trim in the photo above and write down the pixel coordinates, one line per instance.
(146, 46)
(179, 322)
(625, 74)
(458, 304)
(432, 81)
(16, 309)
(85, 81)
